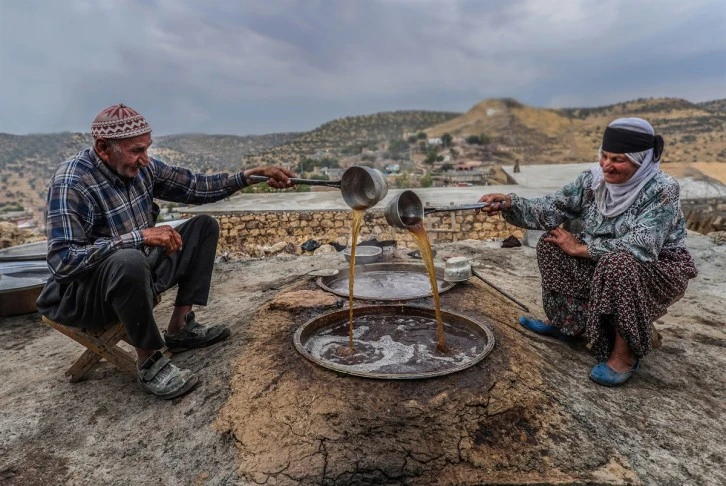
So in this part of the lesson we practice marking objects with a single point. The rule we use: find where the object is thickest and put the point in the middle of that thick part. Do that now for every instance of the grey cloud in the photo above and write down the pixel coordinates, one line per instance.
(257, 67)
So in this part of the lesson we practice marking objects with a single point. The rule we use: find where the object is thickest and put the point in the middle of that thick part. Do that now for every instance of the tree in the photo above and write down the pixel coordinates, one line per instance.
(427, 180)
(446, 140)
(421, 135)
(397, 146)
(431, 157)
(308, 164)
(402, 181)
(480, 139)
(446, 167)
(412, 139)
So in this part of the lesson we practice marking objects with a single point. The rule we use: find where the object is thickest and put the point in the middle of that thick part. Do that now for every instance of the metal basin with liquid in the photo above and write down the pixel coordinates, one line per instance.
(28, 251)
(394, 342)
(20, 285)
(386, 281)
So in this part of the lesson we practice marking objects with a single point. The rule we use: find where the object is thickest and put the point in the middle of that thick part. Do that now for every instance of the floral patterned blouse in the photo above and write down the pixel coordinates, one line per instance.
(653, 222)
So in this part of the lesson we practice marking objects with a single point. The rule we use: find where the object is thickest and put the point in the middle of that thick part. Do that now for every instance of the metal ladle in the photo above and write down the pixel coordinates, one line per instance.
(458, 269)
(406, 210)
(361, 187)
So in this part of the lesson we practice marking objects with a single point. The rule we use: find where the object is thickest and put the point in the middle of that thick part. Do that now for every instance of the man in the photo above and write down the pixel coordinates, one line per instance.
(108, 259)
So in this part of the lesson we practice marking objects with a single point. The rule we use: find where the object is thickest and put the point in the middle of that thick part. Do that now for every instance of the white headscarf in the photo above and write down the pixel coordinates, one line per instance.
(613, 199)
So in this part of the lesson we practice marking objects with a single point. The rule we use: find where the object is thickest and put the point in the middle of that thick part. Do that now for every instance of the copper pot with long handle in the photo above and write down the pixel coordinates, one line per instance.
(406, 210)
(361, 187)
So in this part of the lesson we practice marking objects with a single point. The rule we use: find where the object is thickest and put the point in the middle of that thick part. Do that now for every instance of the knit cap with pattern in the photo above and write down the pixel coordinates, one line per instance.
(119, 121)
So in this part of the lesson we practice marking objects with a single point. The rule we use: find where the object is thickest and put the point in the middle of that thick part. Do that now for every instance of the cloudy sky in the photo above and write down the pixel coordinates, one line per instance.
(262, 66)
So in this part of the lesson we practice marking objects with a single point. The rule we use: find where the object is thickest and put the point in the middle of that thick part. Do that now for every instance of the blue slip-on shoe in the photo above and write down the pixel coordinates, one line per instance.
(603, 374)
(539, 327)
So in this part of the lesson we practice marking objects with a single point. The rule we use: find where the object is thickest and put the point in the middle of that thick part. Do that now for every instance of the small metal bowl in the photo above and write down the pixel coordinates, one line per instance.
(457, 269)
(364, 254)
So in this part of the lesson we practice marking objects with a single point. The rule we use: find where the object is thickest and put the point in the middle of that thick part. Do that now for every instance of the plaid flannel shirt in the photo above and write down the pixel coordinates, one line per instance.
(91, 212)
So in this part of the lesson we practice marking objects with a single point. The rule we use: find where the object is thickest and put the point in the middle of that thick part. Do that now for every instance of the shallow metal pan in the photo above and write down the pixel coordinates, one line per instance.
(399, 281)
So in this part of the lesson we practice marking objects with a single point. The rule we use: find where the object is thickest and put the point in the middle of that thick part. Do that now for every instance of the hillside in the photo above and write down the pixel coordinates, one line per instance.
(348, 135)
(211, 153)
(716, 106)
(28, 161)
(693, 132)
(513, 132)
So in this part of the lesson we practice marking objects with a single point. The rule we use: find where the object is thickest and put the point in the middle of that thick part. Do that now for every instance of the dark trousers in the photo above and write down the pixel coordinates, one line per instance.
(122, 288)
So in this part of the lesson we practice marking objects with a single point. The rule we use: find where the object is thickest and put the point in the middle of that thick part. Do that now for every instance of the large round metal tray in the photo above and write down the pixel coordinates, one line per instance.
(27, 251)
(386, 281)
(390, 349)
(20, 286)
(22, 274)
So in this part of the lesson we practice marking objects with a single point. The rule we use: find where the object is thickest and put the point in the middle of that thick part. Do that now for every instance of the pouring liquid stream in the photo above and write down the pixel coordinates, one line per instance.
(357, 220)
(415, 227)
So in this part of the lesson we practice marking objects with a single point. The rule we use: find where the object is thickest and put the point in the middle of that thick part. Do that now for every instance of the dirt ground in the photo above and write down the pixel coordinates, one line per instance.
(263, 414)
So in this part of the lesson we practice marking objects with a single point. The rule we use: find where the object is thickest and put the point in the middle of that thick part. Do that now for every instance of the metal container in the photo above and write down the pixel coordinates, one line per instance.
(20, 285)
(406, 209)
(386, 282)
(398, 343)
(27, 251)
(364, 254)
(361, 187)
(457, 269)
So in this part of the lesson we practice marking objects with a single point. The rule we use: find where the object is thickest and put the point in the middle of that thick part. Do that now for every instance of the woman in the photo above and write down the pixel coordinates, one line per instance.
(629, 263)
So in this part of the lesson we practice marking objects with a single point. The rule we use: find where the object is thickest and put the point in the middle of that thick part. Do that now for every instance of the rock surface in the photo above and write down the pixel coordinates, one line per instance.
(11, 235)
(264, 414)
(300, 300)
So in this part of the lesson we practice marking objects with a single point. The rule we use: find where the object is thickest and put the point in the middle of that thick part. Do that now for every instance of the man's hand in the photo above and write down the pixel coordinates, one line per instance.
(567, 242)
(164, 236)
(496, 202)
(279, 177)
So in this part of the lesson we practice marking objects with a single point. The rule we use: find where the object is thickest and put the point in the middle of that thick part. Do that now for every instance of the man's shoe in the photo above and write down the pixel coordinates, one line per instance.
(195, 335)
(160, 376)
(539, 327)
(603, 374)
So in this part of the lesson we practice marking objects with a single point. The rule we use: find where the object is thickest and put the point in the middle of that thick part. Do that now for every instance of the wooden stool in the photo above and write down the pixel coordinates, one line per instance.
(100, 343)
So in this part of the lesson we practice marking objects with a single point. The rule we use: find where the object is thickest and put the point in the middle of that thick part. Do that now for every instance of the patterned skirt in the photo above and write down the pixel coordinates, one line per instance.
(617, 293)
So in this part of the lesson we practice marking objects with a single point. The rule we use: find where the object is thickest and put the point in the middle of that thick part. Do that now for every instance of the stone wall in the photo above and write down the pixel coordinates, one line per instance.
(11, 235)
(705, 215)
(255, 232)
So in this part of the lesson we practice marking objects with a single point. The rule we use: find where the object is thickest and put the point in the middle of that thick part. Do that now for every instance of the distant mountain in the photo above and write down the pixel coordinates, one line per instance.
(693, 132)
(213, 153)
(28, 161)
(716, 106)
(348, 135)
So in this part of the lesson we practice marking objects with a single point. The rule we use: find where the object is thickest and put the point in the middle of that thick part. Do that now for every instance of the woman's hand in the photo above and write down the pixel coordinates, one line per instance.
(496, 203)
(567, 242)
(164, 236)
(279, 177)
